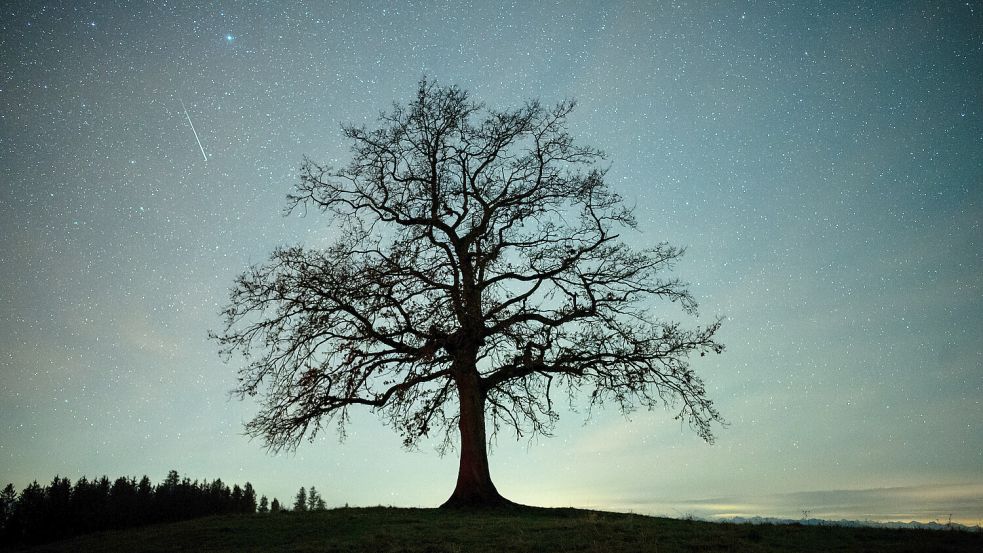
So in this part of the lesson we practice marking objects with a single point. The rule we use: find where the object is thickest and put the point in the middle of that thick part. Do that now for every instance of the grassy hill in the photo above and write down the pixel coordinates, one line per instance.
(393, 530)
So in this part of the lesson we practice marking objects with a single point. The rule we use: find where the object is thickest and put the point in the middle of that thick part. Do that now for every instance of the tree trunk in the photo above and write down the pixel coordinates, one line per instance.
(474, 484)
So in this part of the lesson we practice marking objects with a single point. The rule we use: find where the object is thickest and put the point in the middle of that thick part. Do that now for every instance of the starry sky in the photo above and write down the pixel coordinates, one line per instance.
(821, 162)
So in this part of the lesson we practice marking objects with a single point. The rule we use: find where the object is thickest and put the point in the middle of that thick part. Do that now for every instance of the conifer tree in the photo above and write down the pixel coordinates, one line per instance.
(312, 499)
(236, 500)
(7, 499)
(300, 502)
(248, 499)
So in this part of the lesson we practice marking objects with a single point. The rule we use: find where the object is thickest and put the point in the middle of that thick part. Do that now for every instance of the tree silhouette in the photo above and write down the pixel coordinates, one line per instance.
(8, 498)
(89, 502)
(264, 505)
(275, 506)
(314, 500)
(236, 499)
(477, 274)
(27, 520)
(248, 504)
(300, 501)
(59, 510)
(144, 500)
(123, 509)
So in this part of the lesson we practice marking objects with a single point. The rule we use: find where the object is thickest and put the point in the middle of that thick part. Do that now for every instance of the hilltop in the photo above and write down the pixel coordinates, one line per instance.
(382, 529)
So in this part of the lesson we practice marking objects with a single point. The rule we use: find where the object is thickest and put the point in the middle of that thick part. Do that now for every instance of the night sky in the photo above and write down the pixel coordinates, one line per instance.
(821, 163)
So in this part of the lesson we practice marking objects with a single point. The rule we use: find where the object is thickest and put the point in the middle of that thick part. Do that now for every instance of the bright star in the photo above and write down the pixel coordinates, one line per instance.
(229, 38)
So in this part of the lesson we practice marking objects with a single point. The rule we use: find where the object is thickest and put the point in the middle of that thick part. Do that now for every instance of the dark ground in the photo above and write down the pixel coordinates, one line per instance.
(393, 530)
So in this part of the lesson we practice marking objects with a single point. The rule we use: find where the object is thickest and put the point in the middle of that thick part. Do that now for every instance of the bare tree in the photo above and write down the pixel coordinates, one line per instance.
(477, 273)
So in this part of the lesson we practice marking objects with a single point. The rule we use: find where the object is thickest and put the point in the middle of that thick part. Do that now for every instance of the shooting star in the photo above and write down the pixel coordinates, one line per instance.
(200, 147)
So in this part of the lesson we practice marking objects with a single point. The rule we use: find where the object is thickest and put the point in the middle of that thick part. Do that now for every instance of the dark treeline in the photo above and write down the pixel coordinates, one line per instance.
(60, 509)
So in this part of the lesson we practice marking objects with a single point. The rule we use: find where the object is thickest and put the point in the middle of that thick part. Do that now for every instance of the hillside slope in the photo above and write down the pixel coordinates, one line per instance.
(382, 529)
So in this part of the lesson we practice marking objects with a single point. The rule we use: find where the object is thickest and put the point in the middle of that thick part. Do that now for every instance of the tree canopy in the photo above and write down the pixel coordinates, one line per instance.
(478, 272)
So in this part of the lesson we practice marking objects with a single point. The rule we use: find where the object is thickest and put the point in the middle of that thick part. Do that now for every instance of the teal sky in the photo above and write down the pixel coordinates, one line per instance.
(821, 162)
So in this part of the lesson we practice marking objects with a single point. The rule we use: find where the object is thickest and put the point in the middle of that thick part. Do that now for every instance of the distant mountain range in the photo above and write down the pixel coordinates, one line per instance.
(851, 523)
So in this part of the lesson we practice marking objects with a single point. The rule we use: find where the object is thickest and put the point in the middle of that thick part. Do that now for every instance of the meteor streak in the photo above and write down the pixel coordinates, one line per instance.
(193, 130)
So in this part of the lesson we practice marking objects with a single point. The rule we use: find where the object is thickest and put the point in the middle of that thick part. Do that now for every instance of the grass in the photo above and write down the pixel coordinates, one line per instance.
(391, 530)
